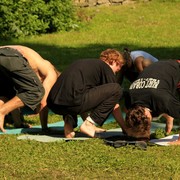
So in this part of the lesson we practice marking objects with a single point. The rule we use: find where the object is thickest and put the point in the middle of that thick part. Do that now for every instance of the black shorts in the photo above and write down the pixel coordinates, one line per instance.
(7, 86)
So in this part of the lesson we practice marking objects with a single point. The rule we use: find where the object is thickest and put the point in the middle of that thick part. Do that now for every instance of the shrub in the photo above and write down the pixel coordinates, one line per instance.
(20, 18)
(61, 16)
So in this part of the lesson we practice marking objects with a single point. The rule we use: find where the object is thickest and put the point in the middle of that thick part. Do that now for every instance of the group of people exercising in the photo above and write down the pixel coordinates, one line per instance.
(90, 88)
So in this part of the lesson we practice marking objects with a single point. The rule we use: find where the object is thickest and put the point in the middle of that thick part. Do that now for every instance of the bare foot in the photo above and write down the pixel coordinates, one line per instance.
(68, 127)
(2, 124)
(88, 128)
(32, 115)
(23, 125)
(169, 126)
(98, 130)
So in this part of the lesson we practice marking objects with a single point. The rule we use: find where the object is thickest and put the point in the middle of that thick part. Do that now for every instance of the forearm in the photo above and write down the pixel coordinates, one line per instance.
(44, 117)
(47, 84)
(118, 117)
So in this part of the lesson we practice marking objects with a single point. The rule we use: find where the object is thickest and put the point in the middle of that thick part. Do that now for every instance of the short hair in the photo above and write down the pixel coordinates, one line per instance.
(138, 123)
(112, 55)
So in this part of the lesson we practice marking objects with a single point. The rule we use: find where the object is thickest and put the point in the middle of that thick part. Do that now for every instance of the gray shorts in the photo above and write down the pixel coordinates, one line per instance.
(27, 86)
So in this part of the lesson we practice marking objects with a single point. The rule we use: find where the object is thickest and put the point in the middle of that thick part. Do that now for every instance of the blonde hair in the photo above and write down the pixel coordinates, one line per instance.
(111, 55)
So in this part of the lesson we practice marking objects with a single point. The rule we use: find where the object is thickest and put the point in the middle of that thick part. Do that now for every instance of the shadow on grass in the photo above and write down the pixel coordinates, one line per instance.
(63, 56)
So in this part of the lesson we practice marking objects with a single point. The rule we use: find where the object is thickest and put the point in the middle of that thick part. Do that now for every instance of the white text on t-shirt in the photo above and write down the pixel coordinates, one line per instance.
(145, 83)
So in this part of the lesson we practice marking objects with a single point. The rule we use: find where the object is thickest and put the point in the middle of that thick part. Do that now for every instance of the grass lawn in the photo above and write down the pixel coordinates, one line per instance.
(152, 26)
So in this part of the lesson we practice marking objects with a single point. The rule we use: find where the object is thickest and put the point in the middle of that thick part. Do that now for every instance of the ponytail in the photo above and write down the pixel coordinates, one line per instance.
(127, 57)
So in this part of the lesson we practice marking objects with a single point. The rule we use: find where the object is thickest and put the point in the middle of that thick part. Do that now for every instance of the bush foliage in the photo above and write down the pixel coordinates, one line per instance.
(20, 18)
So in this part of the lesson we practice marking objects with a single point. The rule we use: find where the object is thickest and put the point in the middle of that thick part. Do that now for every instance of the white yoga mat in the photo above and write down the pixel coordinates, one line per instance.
(166, 140)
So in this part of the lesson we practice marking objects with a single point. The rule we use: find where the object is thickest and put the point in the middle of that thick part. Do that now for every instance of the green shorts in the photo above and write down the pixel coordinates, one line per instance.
(27, 86)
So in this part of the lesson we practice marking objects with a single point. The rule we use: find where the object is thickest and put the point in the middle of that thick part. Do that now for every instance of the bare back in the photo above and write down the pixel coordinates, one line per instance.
(39, 65)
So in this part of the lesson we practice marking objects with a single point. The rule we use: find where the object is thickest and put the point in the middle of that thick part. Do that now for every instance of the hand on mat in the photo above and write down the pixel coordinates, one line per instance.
(2, 126)
(23, 125)
(46, 130)
(169, 123)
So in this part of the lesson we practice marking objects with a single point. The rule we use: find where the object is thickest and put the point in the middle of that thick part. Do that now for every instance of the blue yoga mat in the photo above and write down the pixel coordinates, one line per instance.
(58, 126)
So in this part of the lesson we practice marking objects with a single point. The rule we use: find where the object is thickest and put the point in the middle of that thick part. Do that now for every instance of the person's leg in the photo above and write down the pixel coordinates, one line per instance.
(101, 101)
(7, 107)
(84, 117)
(16, 116)
(28, 87)
(2, 100)
(69, 117)
(18, 119)
(98, 101)
(69, 123)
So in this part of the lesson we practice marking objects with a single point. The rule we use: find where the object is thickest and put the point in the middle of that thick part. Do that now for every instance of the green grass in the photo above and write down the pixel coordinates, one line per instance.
(153, 27)
(90, 159)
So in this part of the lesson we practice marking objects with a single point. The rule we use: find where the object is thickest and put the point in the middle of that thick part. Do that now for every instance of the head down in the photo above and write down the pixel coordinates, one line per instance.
(138, 121)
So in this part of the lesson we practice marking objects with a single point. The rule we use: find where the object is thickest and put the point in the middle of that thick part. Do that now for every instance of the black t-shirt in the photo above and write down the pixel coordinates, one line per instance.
(156, 88)
(77, 79)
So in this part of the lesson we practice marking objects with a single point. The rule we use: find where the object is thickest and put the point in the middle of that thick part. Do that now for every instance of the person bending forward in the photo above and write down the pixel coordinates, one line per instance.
(88, 86)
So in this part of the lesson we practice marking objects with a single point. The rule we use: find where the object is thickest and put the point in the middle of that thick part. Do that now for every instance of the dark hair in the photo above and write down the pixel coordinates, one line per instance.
(137, 122)
(127, 57)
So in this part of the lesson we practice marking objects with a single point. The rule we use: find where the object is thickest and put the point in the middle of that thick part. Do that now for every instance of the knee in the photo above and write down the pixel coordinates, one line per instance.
(42, 93)
(37, 96)
(117, 91)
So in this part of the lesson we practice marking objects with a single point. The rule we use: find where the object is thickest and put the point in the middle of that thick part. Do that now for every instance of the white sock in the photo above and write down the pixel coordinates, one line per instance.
(90, 120)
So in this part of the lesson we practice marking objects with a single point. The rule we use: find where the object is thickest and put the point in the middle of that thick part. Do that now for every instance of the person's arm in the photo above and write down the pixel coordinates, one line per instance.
(44, 118)
(50, 77)
(118, 117)
(47, 74)
(169, 123)
(138, 63)
(45, 71)
(7, 107)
